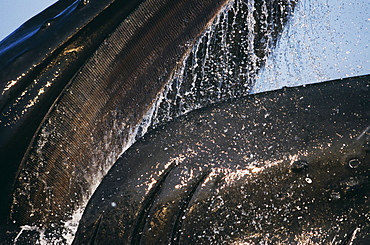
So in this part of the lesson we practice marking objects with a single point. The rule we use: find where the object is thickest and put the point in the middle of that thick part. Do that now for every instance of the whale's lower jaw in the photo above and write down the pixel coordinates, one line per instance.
(286, 166)
(289, 166)
(71, 103)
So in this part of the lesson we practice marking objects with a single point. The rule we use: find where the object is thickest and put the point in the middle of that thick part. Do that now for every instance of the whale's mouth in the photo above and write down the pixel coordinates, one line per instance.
(209, 183)
(84, 80)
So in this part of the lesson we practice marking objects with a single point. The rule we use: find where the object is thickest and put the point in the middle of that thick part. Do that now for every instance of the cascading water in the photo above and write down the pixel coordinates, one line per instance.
(224, 61)
(324, 40)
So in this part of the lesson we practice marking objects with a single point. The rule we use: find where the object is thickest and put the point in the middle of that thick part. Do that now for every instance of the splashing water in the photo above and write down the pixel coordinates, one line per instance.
(225, 60)
(223, 63)
(324, 40)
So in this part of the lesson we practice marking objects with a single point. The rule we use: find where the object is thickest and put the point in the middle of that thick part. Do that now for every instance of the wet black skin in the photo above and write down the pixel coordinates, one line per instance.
(39, 49)
(285, 166)
(178, 184)
(52, 51)
(77, 78)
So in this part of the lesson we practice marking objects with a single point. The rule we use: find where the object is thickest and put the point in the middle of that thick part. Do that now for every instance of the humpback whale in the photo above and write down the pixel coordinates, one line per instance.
(289, 166)
(83, 79)
(79, 80)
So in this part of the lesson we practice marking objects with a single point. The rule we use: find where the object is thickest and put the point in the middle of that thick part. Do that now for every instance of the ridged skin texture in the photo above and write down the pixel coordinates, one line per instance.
(289, 166)
(286, 166)
(57, 119)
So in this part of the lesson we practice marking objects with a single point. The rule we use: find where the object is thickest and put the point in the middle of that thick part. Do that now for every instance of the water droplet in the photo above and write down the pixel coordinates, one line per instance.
(83, 3)
(308, 180)
(367, 144)
(354, 163)
(47, 24)
(299, 166)
(113, 204)
(350, 183)
(281, 196)
(335, 195)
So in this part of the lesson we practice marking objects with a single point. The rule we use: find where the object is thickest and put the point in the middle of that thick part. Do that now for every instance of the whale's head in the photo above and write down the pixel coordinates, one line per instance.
(290, 166)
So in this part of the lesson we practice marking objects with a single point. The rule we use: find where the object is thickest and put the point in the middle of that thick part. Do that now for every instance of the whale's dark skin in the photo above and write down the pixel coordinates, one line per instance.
(285, 166)
(76, 80)
(56, 41)
(56, 55)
